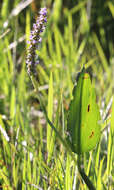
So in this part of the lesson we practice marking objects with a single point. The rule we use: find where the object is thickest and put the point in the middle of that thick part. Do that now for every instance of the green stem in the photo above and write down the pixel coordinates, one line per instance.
(84, 176)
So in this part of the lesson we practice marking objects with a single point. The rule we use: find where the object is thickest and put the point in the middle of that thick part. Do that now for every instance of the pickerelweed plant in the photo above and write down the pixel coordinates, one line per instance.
(83, 118)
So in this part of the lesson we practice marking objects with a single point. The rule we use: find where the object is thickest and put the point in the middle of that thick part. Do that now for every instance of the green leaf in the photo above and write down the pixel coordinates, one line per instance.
(83, 120)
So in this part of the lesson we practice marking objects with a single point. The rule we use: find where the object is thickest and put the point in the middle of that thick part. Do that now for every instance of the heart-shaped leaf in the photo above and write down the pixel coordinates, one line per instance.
(83, 119)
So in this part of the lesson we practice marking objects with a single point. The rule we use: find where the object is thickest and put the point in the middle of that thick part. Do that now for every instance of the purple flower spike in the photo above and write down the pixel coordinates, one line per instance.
(37, 62)
(40, 40)
(43, 11)
(28, 42)
(34, 26)
(35, 38)
(45, 20)
(34, 42)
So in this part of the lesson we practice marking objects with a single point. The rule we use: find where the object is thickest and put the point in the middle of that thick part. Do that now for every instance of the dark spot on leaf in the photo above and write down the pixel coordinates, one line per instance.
(92, 134)
(88, 108)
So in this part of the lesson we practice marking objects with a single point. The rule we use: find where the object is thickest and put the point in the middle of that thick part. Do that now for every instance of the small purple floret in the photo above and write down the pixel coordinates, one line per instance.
(40, 40)
(43, 11)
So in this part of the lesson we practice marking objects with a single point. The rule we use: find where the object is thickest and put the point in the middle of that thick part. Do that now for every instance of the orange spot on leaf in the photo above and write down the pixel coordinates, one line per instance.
(92, 134)
(86, 76)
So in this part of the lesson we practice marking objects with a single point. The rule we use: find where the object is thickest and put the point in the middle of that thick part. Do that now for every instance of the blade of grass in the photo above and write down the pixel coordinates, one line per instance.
(24, 173)
(9, 54)
(101, 53)
(110, 151)
(67, 173)
(50, 115)
(29, 171)
(4, 10)
(99, 178)
(111, 7)
(78, 7)
(27, 27)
